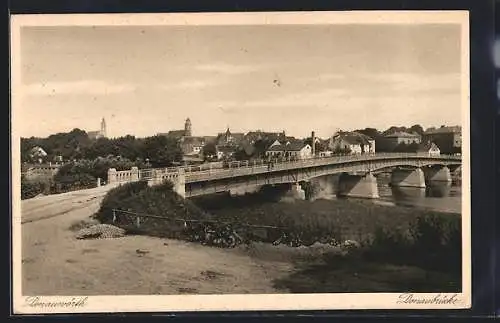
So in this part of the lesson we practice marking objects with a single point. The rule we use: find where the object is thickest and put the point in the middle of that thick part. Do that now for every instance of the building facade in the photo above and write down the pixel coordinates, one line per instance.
(352, 142)
(290, 150)
(448, 139)
(394, 139)
(429, 148)
(100, 133)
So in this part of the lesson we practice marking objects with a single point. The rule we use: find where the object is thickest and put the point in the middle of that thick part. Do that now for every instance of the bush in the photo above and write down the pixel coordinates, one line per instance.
(159, 200)
(30, 189)
(433, 241)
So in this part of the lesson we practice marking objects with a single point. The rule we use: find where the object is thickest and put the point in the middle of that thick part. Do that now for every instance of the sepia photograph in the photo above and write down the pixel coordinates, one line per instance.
(240, 161)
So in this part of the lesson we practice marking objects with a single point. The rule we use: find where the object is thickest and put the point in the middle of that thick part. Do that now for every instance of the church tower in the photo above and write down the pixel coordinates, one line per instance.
(187, 128)
(103, 128)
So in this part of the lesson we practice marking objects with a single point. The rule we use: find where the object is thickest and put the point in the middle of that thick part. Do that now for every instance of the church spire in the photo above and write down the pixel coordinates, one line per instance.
(103, 127)
(188, 128)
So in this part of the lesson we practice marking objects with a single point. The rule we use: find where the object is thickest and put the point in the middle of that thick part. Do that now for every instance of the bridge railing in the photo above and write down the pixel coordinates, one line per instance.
(273, 165)
(248, 167)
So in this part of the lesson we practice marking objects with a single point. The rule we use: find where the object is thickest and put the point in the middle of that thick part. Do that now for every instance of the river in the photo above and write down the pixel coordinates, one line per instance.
(438, 196)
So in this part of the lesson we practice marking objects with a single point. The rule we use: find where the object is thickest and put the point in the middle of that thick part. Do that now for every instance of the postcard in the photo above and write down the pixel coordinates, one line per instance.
(240, 161)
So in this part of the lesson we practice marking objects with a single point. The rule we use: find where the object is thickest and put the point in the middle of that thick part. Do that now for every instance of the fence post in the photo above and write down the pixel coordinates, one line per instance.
(114, 215)
(134, 174)
(138, 221)
(112, 175)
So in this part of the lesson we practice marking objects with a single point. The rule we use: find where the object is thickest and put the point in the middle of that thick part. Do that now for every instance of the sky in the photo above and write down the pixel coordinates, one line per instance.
(148, 79)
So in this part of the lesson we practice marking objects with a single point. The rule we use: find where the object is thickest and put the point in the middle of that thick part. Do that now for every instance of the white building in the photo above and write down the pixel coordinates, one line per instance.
(292, 150)
(354, 142)
(429, 148)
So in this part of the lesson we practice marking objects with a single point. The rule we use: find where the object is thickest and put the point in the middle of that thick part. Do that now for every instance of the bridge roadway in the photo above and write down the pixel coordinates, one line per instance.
(361, 163)
(199, 181)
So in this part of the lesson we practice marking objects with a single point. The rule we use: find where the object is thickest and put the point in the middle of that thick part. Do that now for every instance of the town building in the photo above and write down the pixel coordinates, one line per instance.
(228, 143)
(178, 134)
(37, 154)
(94, 135)
(229, 139)
(351, 142)
(295, 149)
(191, 146)
(429, 148)
(400, 137)
(225, 152)
(448, 139)
(254, 136)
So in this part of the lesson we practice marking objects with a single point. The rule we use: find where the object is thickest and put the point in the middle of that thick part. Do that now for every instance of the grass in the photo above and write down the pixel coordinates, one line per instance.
(347, 274)
(402, 249)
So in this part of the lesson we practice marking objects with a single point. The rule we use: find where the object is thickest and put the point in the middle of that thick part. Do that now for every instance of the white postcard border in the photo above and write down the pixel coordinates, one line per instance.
(95, 304)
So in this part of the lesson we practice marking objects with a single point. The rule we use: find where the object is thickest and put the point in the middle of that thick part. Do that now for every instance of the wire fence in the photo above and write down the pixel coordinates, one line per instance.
(225, 234)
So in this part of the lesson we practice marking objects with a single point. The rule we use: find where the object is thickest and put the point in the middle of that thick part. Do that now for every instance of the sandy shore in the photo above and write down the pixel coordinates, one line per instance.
(55, 263)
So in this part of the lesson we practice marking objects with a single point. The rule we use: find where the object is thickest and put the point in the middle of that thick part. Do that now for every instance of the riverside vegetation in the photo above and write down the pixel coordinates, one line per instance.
(399, 248)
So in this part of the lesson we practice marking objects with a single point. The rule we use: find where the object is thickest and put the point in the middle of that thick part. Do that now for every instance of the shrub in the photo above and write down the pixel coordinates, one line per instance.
(30, 189)
(432, 241)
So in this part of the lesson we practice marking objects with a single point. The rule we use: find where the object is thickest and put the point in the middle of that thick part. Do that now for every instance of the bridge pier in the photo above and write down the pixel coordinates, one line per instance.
(437, 174)
(364, 186)
(180, 184)
(408, 177)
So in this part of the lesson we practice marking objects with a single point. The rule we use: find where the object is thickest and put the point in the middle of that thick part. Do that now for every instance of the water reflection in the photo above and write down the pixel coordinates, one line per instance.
(407, 192)
(438, 189)
(440, 196)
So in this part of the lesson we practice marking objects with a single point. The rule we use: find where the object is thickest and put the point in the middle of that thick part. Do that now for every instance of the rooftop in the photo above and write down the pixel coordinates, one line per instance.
(354, 138)
(444, 129)
(402, 134)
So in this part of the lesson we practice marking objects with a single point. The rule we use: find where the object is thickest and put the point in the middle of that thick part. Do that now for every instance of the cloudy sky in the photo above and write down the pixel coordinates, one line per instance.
(297, 78)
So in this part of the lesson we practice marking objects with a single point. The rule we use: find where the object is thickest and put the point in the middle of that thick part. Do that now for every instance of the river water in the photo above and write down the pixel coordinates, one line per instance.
(438, 196)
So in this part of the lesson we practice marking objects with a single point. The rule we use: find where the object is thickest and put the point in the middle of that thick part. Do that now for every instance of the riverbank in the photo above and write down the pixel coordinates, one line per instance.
(56, 263)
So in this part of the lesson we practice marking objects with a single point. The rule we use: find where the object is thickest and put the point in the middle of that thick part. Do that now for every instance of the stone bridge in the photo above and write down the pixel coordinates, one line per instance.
(357, 173)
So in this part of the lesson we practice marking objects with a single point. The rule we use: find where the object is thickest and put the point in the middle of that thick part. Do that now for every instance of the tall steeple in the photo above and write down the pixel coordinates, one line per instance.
(187, 128)
(103, 128)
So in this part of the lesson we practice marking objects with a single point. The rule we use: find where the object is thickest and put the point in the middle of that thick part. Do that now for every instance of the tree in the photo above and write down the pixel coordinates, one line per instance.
(209, 151)
(394, 129)
(342, 151)
(412, 148)
(370, 132)
(261, 146)
(401, 148)
(162, 151)
(417, 129)
(240, 154)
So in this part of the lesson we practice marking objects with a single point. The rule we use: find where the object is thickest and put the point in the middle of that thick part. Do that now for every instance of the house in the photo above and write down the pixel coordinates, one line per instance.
(253, 136)
(401, 137)
(191, 145)
(448, 139)
(429, 148)
(292, 149)
(37, 154)
(229, 139)
(353, 142)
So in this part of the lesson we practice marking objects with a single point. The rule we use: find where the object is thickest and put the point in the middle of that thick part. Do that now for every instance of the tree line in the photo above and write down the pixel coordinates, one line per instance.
(159, 151)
